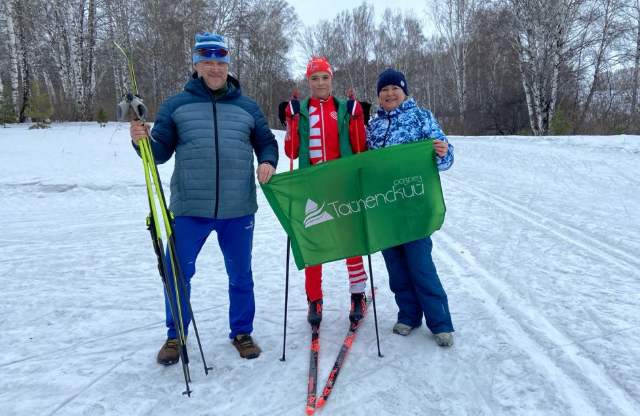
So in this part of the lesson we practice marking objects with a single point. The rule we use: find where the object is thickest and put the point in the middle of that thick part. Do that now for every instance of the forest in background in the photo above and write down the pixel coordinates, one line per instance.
(490, 68)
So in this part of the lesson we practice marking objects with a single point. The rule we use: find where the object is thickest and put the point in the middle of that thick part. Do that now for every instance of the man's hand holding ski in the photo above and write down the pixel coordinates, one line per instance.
(138, 131)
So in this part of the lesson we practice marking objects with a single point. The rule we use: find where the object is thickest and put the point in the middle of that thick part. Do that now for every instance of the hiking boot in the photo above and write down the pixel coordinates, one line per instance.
(358, 306)
(402, 329)
(246, 347)
(444, 339)
(169, 353)
(314, 314)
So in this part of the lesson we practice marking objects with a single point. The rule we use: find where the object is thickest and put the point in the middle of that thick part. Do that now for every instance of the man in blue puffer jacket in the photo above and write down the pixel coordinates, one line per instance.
(213, 130)
(412, 274)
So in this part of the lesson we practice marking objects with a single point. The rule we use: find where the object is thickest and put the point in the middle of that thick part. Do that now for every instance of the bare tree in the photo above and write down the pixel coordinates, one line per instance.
(495, 67)
(605, 30)
(13, 55)
(271, 25)
(348, 43)
(72, 35)
(496, 100)
(120, 23)
(540, 38)
(21, 21)
(634, 120)
(454, 19)
(88, 67)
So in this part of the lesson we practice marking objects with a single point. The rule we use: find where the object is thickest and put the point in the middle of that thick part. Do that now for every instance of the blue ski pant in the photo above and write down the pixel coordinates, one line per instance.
(235, 237)
(417, 288)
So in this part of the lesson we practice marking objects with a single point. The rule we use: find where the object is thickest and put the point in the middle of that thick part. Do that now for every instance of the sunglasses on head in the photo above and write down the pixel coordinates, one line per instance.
(208, 53)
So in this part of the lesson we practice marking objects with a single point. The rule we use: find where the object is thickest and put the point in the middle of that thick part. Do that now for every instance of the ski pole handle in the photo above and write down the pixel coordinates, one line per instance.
(133, 103)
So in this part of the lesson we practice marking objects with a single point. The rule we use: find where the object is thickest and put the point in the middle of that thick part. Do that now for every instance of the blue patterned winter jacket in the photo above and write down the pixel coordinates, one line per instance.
(214, 142)
(407, 123)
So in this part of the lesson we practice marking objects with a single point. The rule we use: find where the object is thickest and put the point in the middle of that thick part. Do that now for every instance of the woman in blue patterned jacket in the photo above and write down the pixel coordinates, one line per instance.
(412, 275)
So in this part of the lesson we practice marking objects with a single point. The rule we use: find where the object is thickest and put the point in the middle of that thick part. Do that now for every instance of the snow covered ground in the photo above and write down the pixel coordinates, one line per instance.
(539, 255)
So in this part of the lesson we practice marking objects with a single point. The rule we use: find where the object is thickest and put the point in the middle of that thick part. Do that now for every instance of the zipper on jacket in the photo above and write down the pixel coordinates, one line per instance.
(324, 149)
(384, 141)
(215, 128)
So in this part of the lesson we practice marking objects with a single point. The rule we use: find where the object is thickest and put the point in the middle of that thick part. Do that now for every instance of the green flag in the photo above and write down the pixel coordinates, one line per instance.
(360, 204)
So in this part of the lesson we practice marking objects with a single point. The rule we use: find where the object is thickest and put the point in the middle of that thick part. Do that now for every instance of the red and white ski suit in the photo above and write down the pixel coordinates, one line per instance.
(324, 146)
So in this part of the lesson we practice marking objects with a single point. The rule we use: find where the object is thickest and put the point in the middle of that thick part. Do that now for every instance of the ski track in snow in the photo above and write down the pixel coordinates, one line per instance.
(572, 235)
(504, 304)
(538, 256)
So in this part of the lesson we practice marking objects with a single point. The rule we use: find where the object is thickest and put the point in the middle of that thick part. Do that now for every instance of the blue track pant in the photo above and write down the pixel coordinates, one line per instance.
(414, 281)
(235, 237)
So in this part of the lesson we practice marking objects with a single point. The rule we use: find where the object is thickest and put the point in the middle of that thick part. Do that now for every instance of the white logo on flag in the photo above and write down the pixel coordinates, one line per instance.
(315, 215)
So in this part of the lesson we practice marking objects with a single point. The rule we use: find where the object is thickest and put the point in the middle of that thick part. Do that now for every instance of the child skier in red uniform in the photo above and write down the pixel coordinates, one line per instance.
(328, 128)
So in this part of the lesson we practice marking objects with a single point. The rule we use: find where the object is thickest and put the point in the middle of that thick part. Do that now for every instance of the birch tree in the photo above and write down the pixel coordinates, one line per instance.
(14, 73)
(119, 25)
(72, 35)
(89, 61)
(21, 22)
(541, 30)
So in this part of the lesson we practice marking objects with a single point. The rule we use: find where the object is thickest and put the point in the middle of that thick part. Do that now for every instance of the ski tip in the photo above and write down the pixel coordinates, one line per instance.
(321, 402)
(310, 410)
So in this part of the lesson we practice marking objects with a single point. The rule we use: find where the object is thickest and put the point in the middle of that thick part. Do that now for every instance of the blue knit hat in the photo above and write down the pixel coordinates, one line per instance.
(210, 41)
(392, 77)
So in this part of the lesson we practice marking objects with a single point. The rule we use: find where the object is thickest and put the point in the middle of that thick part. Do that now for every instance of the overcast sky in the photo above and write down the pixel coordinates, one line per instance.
(311, 12)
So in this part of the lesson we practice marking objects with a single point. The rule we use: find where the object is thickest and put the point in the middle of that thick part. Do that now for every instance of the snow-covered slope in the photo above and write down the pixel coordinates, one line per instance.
(539, 255)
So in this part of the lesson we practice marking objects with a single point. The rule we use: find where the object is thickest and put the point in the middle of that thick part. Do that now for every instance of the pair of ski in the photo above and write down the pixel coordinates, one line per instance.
(337, 365)
(175, 288)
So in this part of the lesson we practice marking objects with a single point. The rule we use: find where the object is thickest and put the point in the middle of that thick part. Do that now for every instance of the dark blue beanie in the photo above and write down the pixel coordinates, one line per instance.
(392, 77)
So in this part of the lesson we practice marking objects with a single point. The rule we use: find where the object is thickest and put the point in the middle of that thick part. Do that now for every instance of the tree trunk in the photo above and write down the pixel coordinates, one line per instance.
(540, 42)
(89, 64)
(13, 55)
(606, 38)
(22, 54)
(636, 71)
(62, 56)
(76, 59)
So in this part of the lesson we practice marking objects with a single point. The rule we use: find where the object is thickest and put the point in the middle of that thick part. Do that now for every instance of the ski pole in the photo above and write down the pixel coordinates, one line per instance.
(352, 96)
(293, 127)
(373, 298)
(286, 300)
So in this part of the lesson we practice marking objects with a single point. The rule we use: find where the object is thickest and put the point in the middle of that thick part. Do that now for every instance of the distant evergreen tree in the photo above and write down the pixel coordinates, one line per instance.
(101, 118)
(7, 110)
(561, 124)
(40, 109)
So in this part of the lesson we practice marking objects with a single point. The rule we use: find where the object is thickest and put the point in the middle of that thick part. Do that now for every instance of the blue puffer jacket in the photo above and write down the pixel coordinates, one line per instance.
(407, 123)
(214, 141)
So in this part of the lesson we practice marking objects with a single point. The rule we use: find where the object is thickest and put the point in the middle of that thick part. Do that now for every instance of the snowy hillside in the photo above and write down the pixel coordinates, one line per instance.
(539, 254)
